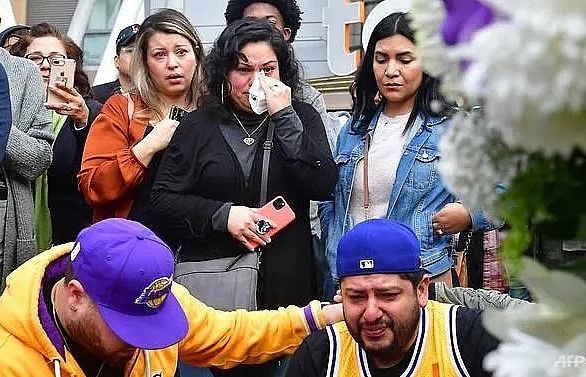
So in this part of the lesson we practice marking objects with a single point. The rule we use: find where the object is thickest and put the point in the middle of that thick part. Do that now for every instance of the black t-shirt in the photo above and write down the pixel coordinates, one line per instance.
(474, 342)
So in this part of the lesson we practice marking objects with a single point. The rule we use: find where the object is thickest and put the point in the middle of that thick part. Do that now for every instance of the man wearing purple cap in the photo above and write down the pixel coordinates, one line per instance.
(390, 327)
(124, 49)
(106, 305)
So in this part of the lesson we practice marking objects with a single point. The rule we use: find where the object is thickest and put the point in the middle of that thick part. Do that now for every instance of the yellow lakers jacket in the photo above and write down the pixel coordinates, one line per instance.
(215, 338)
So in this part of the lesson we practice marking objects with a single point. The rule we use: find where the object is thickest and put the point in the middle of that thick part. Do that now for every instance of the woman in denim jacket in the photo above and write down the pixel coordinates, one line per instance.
(396, 117)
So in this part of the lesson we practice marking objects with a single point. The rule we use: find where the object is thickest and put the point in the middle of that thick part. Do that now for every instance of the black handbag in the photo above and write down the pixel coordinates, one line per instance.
(228, 283)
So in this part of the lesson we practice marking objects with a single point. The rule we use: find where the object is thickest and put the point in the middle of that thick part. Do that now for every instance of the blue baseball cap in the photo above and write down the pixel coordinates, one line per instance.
(126, 36)
(128, 272)
(379, 246)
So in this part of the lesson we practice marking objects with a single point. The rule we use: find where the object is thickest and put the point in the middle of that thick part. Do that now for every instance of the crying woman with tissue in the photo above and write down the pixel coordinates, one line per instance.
(209, 182)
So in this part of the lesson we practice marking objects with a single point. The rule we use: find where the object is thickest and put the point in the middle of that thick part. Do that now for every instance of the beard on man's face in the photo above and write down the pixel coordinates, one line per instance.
(85, 332)
(389, 344)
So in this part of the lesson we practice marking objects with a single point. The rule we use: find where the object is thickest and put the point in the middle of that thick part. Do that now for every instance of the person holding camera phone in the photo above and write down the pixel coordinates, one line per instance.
(60, 210)
(126, 141)
(207, 188)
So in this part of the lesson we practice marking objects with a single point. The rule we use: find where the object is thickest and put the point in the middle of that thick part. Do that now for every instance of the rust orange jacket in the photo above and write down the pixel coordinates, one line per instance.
(110, 172)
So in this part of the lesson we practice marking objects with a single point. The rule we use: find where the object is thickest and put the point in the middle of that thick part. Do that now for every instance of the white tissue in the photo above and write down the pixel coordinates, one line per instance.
(256, 95)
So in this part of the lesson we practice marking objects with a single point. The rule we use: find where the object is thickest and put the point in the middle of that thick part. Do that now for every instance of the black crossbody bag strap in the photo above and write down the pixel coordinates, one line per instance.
(266, 157)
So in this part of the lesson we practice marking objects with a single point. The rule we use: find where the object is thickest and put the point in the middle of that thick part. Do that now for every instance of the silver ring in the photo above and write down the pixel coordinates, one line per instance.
(440, 232)
(67, 107)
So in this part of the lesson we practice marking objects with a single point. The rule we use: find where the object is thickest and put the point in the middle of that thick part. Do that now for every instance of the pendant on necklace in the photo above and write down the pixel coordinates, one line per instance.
(248, 141)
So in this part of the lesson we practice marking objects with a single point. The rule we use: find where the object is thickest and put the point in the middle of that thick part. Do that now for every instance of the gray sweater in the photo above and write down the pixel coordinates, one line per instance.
(312, 96)
(28, 155)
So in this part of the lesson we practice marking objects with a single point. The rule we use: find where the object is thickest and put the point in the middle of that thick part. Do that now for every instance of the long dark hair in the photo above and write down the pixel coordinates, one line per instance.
(73, 51)
(225, 56)
(428, 99)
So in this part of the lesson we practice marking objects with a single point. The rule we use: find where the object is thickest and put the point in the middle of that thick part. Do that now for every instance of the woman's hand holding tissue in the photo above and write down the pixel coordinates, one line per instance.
(278, 95)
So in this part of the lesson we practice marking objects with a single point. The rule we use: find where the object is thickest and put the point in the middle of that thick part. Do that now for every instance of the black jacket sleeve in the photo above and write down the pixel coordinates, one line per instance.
(188, 215)
(474, 341)
(311, 358)
(313, 167)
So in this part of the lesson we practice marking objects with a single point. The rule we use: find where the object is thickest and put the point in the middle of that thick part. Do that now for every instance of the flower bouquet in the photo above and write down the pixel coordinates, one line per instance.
(517, 71)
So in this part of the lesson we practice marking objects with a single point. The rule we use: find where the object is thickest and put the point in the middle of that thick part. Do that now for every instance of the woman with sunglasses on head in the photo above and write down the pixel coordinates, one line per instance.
(60, 209)
(127, 139)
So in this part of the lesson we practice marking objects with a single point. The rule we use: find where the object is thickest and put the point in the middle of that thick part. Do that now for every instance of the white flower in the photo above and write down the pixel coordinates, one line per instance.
(529, 72)
(527, 356)
(558, 315)
(541, 339)
(473, 162)
(427, 17)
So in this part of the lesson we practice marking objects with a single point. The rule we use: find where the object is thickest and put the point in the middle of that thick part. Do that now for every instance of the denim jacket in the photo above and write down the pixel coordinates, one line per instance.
(417, 194)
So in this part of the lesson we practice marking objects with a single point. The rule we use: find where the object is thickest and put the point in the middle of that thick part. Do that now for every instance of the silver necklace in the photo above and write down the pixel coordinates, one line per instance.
(249, 140)
(61, 333)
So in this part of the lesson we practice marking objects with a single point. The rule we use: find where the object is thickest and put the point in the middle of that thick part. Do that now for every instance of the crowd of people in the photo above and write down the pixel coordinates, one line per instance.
(103, 191)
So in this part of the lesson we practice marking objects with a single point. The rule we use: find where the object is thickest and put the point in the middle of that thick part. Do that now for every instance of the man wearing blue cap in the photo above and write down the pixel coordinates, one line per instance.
(390, 327)
(124, 49)
(107, 306)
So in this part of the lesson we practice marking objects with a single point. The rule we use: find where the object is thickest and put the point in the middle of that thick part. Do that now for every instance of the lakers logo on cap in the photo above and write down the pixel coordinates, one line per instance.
(155, 294)
(366, 264)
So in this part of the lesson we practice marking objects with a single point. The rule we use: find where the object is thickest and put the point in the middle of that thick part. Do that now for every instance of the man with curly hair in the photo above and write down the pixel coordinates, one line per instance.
(285, 15)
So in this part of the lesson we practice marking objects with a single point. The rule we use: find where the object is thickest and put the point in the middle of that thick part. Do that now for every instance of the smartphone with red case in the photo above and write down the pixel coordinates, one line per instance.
(279, 212)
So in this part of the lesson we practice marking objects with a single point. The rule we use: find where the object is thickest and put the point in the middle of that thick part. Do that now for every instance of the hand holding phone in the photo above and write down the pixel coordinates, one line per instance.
(242, 226)
(63, 72)
(273, 216)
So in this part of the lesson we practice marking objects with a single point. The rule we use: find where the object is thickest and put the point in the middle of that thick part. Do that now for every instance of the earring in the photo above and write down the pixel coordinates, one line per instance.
(222, 93)
(72, 308)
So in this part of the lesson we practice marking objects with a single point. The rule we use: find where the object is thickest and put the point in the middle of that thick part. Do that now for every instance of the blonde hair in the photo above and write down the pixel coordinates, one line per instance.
(167, 21)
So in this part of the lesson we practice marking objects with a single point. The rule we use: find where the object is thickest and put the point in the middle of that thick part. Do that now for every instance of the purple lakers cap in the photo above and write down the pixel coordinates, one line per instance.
(128, 271)
(378, 246)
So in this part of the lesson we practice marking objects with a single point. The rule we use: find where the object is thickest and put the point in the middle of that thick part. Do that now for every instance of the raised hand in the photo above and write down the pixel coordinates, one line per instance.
(278, 94)
(73, 104)
(161, 134)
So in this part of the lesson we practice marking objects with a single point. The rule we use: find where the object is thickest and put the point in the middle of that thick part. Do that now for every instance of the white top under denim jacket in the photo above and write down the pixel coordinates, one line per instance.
(417, 193)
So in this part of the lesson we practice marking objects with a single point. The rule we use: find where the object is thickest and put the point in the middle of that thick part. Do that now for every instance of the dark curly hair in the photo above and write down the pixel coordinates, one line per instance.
(288, 8)
(225, 55)
(366, 87)
(72, 50)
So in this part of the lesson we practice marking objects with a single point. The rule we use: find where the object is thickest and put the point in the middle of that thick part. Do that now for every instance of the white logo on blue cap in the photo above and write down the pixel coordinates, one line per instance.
(366, 264)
